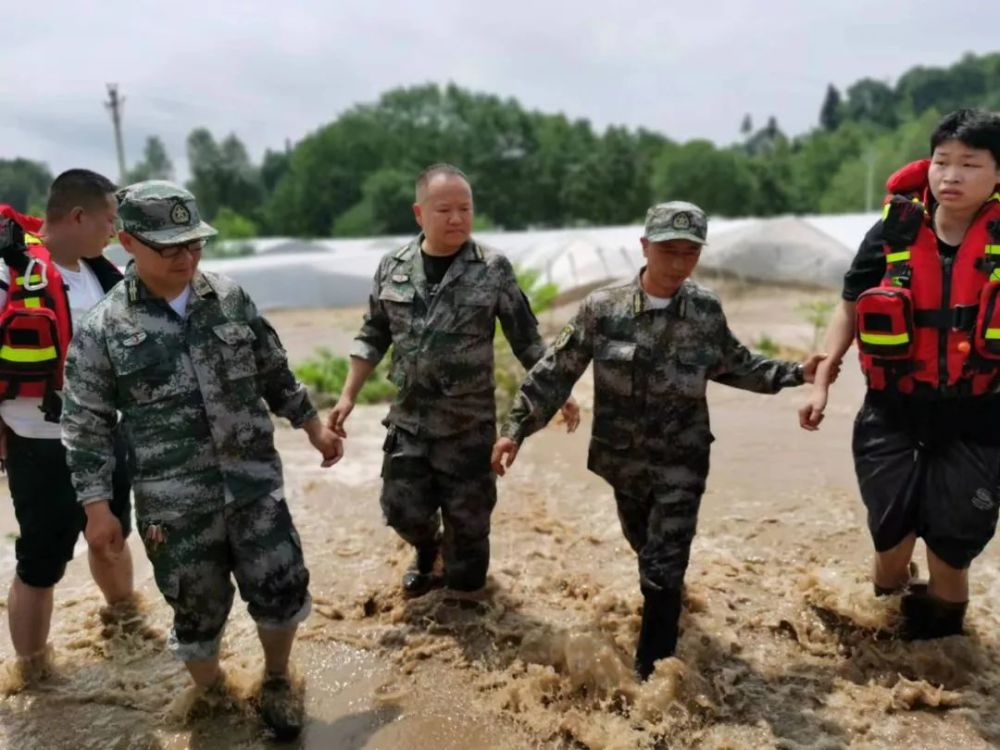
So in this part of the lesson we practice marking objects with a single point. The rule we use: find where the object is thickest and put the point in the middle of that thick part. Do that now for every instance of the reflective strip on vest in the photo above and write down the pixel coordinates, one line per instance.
(36, 279)
(12, 354)
(900, 256)
(886, 339)
(993, 333)
(993, 249)
(32, 302)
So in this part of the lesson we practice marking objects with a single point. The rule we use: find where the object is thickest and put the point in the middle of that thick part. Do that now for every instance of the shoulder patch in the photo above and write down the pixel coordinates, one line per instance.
(564, 336)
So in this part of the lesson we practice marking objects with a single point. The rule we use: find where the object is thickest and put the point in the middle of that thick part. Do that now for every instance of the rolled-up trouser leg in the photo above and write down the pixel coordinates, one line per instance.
(192, 570)
(268, 563)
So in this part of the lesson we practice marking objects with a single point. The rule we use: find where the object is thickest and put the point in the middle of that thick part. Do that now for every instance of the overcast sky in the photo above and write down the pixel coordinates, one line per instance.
(688, 69)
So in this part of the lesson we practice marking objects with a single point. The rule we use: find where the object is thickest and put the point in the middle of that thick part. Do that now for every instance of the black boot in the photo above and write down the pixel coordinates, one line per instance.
(926, 617)
(419, 579)
(661, 610)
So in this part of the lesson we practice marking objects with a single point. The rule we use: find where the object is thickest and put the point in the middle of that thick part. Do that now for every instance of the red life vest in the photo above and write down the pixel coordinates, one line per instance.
(35, 323)
(933, 323)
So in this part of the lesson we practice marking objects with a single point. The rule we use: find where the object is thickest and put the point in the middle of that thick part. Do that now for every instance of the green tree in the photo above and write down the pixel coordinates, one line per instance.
(721, 181)
(155, 163)
(222, 175)
(24, 184)
(872, 101)
(830, 114)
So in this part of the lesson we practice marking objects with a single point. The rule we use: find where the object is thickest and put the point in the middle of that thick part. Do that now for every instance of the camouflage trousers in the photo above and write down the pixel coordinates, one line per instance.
(193, 564)
(659, 522)
(430, 483)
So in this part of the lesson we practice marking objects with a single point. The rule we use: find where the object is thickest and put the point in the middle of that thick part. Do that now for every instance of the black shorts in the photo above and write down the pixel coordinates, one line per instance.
(924, 468)
(48, 514)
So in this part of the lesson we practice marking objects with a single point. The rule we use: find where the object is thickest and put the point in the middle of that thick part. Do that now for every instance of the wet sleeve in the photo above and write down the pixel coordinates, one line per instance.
(868, 266)
(518, 322)
(89, 415)
(549, 383)
(375, 337)
(740, 368)
(284, 394)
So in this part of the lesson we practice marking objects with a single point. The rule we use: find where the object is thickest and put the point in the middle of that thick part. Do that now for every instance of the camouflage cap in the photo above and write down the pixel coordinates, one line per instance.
(161, 213)
(676, 220)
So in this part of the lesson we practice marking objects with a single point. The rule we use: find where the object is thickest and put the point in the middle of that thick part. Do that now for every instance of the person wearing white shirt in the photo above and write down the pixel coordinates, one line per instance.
(79, 219)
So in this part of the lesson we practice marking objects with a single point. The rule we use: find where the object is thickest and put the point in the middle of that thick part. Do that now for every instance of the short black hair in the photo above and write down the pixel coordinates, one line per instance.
(977, 128)
(76, 187)
(429, 173)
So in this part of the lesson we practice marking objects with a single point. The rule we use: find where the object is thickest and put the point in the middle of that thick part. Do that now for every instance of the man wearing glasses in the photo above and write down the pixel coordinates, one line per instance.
(193, 367)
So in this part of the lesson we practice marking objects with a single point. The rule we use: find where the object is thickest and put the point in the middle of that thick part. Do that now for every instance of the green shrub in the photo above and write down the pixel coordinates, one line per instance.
(325, 374)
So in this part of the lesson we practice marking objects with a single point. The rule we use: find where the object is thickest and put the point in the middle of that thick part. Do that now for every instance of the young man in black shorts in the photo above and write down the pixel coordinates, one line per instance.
(922, 299)
(58, 268)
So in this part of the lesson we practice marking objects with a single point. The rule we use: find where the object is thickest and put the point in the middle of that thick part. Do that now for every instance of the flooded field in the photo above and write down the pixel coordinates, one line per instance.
(783, 644)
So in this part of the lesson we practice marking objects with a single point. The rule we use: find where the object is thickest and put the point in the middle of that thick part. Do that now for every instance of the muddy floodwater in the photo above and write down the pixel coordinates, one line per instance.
(783, 643)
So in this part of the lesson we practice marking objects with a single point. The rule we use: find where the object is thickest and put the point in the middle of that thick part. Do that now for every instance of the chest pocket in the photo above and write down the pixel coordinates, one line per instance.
(146, 370)
(397, 299)
(614, 367)
(692, 367)
(472, 311)
(237, 349)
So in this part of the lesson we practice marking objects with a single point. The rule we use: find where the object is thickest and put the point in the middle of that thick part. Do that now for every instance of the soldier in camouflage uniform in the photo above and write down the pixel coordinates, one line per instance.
(193, 367)
(436, 302)
(655, 342)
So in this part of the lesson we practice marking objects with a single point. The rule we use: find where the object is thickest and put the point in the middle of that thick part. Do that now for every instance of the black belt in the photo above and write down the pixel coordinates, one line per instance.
(958, 318)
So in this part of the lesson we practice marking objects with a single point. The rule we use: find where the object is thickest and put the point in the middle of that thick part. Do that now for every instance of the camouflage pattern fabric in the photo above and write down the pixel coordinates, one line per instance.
(442, 346)
(161, 213)
(255, 542)
(676, 220)
(650, 438)
(193, 393)
(660, 525)
(651, 368)
(427, 482)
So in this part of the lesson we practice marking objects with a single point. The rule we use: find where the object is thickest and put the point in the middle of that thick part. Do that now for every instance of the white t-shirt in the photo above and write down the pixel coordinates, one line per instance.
(179, 303)
(657, 303)
(24, 415)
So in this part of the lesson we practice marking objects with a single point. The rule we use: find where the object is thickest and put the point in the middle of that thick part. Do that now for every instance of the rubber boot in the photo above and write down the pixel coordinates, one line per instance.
(661, 611)
(926, 617)
(418, 578)
(466, 567)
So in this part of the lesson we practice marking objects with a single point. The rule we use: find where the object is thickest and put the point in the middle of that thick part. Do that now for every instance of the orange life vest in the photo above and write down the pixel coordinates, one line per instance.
(35, 323)
(934, 322)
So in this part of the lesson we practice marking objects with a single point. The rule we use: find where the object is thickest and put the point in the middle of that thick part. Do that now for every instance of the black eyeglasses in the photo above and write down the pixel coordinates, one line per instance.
(172, 251)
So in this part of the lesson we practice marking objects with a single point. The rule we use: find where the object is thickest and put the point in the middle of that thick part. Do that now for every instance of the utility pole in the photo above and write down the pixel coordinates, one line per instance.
(870, 158)
(114, 105)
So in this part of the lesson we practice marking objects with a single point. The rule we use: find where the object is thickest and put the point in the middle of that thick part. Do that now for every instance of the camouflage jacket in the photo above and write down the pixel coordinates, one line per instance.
(191, 392)
(442, 346)
(651, 368)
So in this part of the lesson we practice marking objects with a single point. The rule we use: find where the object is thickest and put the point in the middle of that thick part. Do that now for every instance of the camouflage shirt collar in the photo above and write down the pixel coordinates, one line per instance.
(201, 285)
(470, 251)
(137, 291)
(639, 301)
